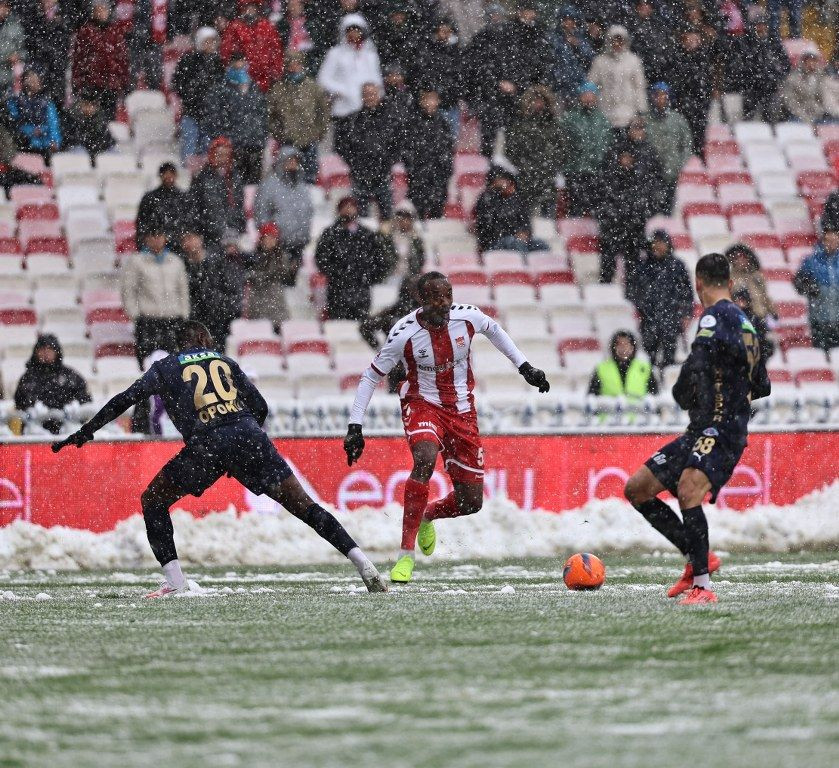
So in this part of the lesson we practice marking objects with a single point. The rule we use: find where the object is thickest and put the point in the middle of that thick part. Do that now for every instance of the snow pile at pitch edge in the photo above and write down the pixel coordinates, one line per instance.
(501, 530)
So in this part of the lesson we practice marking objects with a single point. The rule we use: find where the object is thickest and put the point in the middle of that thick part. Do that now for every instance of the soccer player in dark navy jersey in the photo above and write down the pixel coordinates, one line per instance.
(220, 414)
(723, 374)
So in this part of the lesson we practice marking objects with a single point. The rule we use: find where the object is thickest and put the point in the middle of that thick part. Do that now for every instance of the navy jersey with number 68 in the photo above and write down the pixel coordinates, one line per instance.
(200, 388)
(723, 373)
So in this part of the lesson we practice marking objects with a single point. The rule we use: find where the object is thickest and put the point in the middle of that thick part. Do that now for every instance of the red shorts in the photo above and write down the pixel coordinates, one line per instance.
(456, 433)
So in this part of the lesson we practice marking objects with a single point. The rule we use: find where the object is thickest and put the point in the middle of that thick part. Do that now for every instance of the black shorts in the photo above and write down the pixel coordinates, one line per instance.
(244, 452)
(713, 454)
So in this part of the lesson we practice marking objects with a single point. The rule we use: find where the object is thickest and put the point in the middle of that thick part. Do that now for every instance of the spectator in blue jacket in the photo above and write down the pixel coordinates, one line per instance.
(572, 53)
(818, 279)
(35, 117)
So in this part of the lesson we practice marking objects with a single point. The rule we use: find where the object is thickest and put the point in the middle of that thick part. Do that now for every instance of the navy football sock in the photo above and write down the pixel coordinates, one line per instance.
(327, 527)
(696, 533)
(666, 522)
(160, 532)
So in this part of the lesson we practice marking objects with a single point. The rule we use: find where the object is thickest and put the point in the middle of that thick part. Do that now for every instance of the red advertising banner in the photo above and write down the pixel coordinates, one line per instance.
(96, 487)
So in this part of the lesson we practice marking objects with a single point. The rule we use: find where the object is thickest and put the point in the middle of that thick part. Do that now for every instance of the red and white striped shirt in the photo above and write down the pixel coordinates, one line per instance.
(437, 360)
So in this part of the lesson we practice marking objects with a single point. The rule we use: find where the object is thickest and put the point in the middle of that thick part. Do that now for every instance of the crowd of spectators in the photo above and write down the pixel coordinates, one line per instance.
(611, 98)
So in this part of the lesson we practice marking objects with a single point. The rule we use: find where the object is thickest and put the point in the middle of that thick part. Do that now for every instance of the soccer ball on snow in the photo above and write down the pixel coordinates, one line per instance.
(584, 571)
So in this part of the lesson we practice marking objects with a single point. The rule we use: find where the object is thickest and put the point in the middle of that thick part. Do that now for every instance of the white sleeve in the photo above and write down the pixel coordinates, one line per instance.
(501, 340)
(384, 362)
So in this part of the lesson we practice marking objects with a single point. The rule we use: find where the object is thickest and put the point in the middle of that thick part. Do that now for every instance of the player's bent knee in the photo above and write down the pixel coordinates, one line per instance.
(636, 491)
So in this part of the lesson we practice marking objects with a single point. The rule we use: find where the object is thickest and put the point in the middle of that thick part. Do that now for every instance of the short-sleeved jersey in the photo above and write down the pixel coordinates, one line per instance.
(437, 360)
(200, 389)
(723, 373)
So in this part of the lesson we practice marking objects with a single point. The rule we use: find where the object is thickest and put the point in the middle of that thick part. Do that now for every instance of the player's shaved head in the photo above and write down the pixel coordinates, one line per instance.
(427, 278)
(713, 270)
(194, 334)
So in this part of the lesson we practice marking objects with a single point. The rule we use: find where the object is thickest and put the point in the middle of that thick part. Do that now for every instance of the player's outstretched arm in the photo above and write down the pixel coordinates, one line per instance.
(141, 389)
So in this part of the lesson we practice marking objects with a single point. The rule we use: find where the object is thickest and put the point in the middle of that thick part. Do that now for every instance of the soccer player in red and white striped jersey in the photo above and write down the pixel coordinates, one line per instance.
(438, 408)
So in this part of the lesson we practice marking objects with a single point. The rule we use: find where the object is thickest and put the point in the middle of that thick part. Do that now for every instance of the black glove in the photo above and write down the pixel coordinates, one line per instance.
(353, 443)
(78, 439)
(535, 377)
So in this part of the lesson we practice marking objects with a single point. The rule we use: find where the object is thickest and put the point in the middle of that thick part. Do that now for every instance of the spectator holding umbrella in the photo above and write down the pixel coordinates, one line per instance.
(818, 279)
(100, 58)
(256, 38)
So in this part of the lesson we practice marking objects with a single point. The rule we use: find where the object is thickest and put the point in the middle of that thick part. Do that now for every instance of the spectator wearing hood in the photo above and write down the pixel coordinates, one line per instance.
(347, 66)
(100, 58)
(690, 91)
(623, 373)
(298, 113)
(502, 220)
(619, 74)
(428, 155)
(402, 237)
(155, 294)
(572, 54)
(272, 272)
(763, 66)
(198, 72)
(818, 279)
(802, 93)
(652, 40)
(215, 201)
(372, 147)
(440, 68)
(162, 207)
(399, 35)
(746, 275)
(669, 134)
(256, 38)
(86, 127)
(352, 258)
(663, 297)
(48, 381)
(585, 139)
(238, 110)
(35, 116)
(283, 200)
(629, 198)
(532, 144)
(12, 45)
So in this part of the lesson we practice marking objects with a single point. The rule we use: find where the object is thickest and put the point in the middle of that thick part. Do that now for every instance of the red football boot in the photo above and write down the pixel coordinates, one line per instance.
(698, 596)
(686, 580)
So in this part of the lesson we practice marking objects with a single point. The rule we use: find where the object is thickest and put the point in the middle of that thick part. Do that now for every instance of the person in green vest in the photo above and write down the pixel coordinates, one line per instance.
(623, 374)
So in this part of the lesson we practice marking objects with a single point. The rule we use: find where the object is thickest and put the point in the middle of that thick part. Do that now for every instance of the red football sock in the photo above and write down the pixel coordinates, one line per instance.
(445, 507)
(416, 498)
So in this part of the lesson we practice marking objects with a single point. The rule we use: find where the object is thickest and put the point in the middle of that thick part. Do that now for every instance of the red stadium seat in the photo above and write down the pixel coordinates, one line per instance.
(760, 240)
(583, 244)
(780, 376)
(10, 245)
(724, 148)
(816, 184)
(745, 209)
(511, 277)
(106, 315)
(795, 239)
(695, 177)
(701, 209)
(48, 245)
(733, 177)
(312, 346)
(579, 344)
(815, 375)
(554, 277)
(681, 241)
(38, 211)
(261, 347)
(18, 316)
(468, 277)
(115, 349)
(777, 273)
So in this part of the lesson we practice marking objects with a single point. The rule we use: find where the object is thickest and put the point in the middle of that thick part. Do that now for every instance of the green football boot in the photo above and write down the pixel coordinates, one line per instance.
(403, 571)
(427, 537)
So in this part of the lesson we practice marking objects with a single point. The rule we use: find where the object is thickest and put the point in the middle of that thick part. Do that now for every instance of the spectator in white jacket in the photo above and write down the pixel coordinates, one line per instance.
(155, 294)
(619, 73)
(348, 65)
